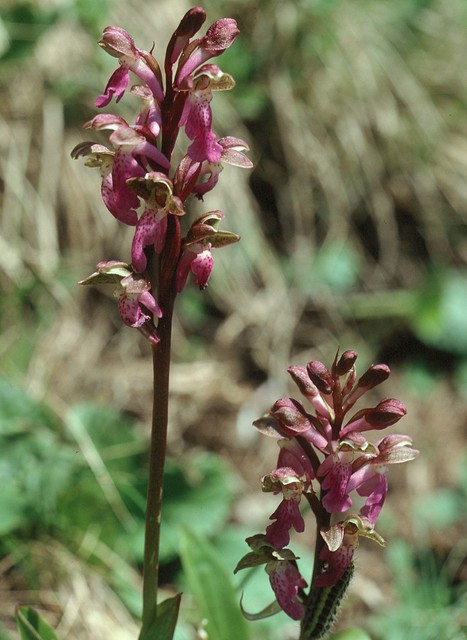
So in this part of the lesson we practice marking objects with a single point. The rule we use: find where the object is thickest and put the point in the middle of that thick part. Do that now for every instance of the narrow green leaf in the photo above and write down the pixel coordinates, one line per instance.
(163, 628)
(32, 627)
(212, 588)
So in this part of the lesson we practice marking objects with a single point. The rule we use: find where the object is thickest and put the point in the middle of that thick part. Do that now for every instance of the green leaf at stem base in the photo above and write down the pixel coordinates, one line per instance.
(163, 627)
(32, 627)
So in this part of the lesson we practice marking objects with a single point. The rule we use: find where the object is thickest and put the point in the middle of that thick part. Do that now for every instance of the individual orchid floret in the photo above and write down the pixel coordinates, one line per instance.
(197, 116)
(385, 414)
(284, 577)
(134, 148)
(321, 377)
(201, 177)
(157, 191)
(140, 142)
(345, 364)
(218, 38)
(303, 381)
(232, 153)
(150, 115)
(134, 298)
(136, 304)
(196, 256)
(286, 582)
(373, 376)
(336, 471)
(294, 420)
(369, 471)
(119, 200)
(341, 542)
(284, 480)
(119, 44)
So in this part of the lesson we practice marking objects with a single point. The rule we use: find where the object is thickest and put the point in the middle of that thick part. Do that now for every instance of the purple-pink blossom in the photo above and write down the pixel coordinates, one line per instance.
(144, 184)
(326, 457)
(119, 44)
(286, 581)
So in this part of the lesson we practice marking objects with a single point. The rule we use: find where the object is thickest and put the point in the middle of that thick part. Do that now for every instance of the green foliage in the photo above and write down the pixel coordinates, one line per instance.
(212, 587)
(32, 627)
(199, 494)
(23, 23)
(92, 14)
(335, 267)
(439, 319)
(34, 467)
(84, 478)
(166, 620)
(430, 607)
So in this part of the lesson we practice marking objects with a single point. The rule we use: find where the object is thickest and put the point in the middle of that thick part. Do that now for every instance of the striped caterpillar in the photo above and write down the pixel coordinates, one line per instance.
(322, 607)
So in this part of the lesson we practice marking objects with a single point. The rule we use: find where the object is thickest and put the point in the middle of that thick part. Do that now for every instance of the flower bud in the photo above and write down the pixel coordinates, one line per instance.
(386, 413)
(346, 362)
(374, 375)
(308, 389)
(320, 376)
(291, 414)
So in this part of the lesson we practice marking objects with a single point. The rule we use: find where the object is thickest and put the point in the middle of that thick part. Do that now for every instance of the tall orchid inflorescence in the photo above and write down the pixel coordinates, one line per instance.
(146, 187)
(142, 185)
(325, 458)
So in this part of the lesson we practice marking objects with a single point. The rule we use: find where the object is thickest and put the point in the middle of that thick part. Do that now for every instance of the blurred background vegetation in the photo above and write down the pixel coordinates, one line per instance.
(353, 226)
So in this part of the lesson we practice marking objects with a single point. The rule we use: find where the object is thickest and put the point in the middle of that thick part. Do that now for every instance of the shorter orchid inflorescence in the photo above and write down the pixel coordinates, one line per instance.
(325, 457)
(141, 185)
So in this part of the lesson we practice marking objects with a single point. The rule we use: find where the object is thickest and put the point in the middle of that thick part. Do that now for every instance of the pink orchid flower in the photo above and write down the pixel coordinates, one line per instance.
(119, 44)
(284, 480)
(197, 258)
(286, 581)
(341, 542)
(151, 229)
(197, 115)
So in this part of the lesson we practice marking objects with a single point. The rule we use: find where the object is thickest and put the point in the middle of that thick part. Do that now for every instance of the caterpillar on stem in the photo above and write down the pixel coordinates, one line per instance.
(322, 607)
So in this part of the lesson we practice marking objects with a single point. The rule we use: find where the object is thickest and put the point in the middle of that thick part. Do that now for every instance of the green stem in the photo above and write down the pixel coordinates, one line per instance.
(157, 452)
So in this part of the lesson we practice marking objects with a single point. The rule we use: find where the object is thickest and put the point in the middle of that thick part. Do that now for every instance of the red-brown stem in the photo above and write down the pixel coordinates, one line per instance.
(157, 453)
(323, 519)
(163, 268)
